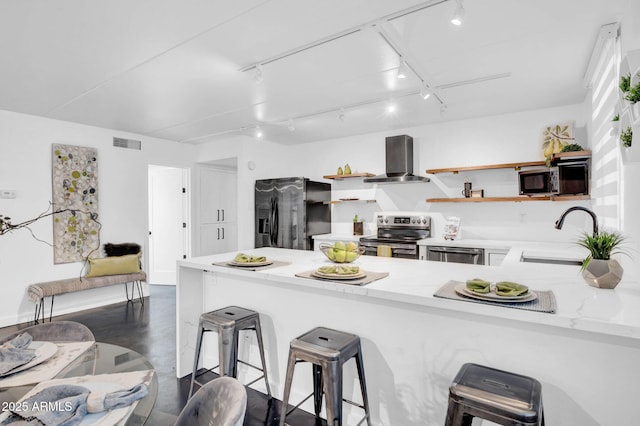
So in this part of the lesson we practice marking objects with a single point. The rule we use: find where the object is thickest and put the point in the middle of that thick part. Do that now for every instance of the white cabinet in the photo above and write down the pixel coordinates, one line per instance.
(215, 210)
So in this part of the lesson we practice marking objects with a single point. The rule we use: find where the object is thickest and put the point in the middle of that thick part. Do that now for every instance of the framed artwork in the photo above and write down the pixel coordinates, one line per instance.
(75, 194)
(555, 137)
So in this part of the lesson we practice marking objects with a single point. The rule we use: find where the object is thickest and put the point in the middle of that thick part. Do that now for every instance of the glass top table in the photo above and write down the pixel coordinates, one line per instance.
(102, 358)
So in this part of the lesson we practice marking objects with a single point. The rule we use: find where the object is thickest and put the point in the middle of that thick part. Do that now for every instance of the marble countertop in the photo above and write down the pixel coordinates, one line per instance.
(580, 307)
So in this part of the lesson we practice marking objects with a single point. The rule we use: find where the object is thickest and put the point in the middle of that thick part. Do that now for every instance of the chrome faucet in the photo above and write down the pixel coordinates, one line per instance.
(560, 221)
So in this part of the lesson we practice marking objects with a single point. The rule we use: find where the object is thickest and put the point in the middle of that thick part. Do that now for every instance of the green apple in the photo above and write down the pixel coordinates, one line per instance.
(340, 255)
(351, 246)
(351, 256)
(339, 245)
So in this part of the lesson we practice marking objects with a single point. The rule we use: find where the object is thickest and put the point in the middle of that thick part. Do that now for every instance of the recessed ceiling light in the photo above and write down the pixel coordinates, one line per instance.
(258, 132)
(391, 107)
(458, 14)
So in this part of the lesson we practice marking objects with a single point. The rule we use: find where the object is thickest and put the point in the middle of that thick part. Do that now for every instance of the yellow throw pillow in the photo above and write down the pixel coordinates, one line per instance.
(114, 265)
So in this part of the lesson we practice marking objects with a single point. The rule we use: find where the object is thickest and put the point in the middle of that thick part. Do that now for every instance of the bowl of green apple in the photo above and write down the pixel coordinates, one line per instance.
(341, 252)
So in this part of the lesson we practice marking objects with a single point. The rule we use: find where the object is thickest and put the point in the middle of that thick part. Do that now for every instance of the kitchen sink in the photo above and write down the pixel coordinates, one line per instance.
(532, 258)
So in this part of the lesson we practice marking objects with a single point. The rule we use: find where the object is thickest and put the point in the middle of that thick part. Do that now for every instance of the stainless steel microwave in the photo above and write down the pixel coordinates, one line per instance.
(564, 179)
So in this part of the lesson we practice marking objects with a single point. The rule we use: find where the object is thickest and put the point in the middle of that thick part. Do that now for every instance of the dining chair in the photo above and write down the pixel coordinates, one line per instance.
(220, 402)
(56, 331)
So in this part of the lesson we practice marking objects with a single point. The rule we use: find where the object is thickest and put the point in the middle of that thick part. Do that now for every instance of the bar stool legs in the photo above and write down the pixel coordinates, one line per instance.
(228, 322)
(327, 350)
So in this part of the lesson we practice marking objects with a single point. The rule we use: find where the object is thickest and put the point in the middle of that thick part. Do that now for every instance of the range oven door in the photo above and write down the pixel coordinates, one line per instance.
(402, 250)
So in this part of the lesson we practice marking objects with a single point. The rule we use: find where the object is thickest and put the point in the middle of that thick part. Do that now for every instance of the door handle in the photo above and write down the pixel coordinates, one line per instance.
(218, 229)
(223, 233)
(223, 215)
(218, 220)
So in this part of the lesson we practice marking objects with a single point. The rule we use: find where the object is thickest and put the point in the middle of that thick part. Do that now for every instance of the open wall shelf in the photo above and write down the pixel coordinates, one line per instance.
(351, 175)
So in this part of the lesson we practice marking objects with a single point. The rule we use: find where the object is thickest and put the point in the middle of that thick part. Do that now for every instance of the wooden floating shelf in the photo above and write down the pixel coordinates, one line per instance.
(515, 166)
(352, 175)
(507, 199)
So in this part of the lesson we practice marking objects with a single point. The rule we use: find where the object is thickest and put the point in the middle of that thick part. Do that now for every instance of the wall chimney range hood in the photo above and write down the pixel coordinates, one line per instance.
(399, 159)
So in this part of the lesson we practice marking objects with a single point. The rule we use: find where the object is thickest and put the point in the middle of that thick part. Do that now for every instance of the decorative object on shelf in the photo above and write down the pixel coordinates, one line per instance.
(598, 269)
(626, 137)
(75, 199)
(466, 192)
(555, 137)
(345, 176)
(340, 171)
(358, 226)
(477, 193)
(347, 169)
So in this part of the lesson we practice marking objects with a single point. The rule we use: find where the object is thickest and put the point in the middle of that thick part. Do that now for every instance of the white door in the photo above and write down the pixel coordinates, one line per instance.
(167, 224)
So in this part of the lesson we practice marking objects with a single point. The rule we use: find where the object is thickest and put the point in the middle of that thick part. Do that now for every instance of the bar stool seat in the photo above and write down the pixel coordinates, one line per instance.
(327, 350)
(496, 395)
(228, 322)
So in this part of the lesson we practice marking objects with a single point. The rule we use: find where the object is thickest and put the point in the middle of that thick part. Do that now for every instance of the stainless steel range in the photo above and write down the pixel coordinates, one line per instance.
(400, 232)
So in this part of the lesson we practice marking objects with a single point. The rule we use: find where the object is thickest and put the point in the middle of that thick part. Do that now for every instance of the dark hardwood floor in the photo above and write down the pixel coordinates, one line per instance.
(150, 329)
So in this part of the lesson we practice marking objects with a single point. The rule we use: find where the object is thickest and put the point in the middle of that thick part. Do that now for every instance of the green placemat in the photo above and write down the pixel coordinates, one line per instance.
(546, 301)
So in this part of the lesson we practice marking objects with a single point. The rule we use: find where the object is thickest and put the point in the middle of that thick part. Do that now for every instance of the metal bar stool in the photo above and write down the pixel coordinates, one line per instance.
(496, 395)
(228, 322)
(327, 350)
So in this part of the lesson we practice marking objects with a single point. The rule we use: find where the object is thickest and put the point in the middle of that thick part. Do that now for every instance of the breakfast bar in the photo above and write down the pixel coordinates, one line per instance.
(585, 354)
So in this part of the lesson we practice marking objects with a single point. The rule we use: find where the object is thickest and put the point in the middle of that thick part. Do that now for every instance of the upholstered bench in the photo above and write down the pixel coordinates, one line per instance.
(38, 292)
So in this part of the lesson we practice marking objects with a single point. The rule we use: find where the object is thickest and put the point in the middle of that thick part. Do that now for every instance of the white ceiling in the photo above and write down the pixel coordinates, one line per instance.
(172, 68)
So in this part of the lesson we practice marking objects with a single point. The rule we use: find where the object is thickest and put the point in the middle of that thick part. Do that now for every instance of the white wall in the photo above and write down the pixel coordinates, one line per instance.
(498, 139)
(25, 166)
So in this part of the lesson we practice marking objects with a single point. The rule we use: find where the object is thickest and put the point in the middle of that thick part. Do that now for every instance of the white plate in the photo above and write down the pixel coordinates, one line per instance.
(462, 290)
(44, 351)
(249, 264)
(319, 274)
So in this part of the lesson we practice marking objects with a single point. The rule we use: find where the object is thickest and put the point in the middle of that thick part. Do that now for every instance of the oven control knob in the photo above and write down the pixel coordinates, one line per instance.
(386, 220)
(380, 219)
(413, 221)
(424, 221)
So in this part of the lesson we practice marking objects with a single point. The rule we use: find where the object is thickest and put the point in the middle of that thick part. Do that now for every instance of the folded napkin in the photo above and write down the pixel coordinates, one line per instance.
(478, 285)
(245, 258)
(68, 404)
(16, 352)
(339, 269)
(507, 288)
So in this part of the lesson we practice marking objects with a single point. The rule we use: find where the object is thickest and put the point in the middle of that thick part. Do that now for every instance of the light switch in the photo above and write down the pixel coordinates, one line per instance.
(7, 193)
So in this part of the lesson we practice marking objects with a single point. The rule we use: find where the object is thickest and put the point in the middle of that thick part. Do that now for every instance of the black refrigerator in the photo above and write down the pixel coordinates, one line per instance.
(290, 211)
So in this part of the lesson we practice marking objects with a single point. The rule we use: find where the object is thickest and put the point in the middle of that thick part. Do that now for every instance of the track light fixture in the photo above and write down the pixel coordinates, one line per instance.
(258, 75)
(402, 69)
(458, 14)
(426, 92)
(342, 114)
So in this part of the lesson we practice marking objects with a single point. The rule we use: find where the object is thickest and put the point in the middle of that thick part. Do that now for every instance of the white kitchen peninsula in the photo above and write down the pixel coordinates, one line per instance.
(585, 355)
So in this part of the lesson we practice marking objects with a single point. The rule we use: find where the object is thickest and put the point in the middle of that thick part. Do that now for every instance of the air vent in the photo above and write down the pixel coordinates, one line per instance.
(127, 143)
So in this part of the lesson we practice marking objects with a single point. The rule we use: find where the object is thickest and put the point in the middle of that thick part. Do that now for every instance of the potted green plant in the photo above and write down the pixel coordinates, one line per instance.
(599, 269)
(625, 83)
(626, 137)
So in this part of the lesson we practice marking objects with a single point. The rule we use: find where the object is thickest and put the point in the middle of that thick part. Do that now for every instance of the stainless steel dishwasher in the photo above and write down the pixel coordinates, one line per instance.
(456, 254)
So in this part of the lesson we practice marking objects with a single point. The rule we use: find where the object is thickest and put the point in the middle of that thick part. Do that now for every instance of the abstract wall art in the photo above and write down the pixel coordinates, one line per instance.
(75, 195)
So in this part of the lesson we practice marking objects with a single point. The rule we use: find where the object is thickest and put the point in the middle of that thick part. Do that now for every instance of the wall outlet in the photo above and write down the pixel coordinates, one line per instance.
(8, 193)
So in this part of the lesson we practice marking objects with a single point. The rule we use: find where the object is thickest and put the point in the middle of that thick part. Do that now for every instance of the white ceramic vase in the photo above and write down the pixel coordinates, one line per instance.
(603, 273)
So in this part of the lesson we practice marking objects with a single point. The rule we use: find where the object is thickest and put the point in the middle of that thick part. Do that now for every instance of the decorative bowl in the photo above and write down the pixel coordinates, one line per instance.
(338, 255)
